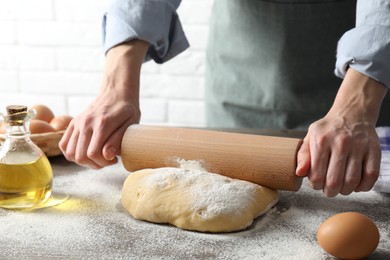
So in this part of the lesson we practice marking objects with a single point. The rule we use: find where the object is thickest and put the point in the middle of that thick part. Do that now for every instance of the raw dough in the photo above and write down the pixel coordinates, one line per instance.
(194, 199)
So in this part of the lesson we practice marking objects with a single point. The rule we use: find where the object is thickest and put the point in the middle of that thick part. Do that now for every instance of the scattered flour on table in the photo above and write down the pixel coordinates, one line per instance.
(93, 225)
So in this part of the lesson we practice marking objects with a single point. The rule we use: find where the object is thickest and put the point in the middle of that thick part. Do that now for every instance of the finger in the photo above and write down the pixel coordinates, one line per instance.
(335, 174)
(64, 142)
(341, 151)
(95, 149)
(110, 138)
(81, 152)
(353, 172)
(303, 159)
(320, 154)
(371, 167)
(71, 146)
(113, 145)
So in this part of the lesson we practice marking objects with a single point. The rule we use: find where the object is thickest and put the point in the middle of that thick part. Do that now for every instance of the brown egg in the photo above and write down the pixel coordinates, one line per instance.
(43, 112)
(348, 235)
(2, 128)
(39, 126)
(60, 122)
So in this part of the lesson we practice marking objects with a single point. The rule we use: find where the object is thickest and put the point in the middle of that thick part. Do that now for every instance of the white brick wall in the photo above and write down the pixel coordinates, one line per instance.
(50, 53)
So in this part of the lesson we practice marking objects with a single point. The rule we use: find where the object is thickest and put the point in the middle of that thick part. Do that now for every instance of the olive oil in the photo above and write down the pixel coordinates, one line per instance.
(25, 185)
(25, 172)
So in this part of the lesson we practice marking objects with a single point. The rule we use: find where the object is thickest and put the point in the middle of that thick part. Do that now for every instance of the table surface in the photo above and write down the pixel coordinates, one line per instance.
(93, 224)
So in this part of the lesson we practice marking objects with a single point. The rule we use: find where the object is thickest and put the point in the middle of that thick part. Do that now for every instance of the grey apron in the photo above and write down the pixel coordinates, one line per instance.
(270, 63)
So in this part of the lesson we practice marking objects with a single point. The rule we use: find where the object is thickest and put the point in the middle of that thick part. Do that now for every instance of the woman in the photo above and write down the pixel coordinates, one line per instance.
(269, 66)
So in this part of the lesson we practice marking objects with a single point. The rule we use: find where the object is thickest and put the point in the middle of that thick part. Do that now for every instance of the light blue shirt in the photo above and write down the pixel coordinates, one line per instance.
(154, 21)
(366, 48)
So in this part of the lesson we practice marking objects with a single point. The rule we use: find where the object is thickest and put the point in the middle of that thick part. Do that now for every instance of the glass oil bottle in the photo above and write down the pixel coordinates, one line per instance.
(26, 175)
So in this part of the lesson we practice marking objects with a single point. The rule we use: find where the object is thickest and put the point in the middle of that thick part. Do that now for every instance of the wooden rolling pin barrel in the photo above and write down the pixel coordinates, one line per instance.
(265, 160)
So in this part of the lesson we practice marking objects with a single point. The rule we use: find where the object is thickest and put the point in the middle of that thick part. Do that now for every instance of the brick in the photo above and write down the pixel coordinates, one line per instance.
(195, 11)
(8, 57)
(33, 58)
(167, 86)
(80, 59)
(150, 67)
(186, 113)
(197, 35)
(7, 10)
(80, 11)
(59, 34)
(64, 83)
(8, 81)
(54, 102)
(8, 35)
(14, 57)
(37, 10)
(187, 63)
(153, 110)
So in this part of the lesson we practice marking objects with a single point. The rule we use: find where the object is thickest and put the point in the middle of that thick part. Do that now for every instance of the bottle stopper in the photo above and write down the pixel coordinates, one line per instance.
(17, 113)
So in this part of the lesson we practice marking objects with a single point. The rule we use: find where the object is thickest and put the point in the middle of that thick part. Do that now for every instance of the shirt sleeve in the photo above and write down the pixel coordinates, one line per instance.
(154, 21)
(366, 48)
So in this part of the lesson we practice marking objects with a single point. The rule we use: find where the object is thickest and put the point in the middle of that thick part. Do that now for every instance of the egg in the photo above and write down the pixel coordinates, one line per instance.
(43, 112)
(348, 235)
(2, 128)
(39, 126)
(60, 122)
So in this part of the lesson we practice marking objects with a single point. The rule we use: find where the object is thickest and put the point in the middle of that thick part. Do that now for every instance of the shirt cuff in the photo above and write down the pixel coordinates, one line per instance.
(366, 48)
(155, 22)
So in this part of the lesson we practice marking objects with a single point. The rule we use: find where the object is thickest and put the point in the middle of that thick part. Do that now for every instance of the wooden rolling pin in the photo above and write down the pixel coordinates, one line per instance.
(265, 160)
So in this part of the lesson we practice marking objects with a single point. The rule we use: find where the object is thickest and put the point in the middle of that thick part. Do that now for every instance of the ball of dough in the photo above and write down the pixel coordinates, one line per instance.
(194, 199)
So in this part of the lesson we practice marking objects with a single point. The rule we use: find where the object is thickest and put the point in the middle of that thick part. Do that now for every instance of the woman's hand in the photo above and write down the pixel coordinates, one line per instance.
(94, 137)
(341, 152)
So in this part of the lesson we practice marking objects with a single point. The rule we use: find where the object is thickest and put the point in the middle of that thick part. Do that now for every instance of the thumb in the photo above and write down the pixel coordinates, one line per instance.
(113, 144)
(303, 159)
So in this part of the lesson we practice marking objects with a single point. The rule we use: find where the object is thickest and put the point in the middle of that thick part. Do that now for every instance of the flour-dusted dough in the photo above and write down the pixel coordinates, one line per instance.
(195, 199)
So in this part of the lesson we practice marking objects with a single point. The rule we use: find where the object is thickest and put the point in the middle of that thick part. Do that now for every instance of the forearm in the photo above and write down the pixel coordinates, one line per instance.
(123, 68)
(358, 99)
(94, 137)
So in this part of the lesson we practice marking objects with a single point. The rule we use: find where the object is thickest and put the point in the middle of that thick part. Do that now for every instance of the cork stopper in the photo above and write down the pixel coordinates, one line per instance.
(16, 114)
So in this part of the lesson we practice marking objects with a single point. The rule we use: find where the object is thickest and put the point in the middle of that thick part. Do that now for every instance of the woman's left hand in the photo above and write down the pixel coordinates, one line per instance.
(341, 152)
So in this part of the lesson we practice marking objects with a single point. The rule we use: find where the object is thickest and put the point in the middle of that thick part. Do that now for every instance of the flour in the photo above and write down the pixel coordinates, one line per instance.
(191, 164)
(93, 225)
(212, 194)
(219, 195)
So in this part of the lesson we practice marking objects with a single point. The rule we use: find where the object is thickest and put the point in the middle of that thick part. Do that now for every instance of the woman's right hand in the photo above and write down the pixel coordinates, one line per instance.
(93, 138)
